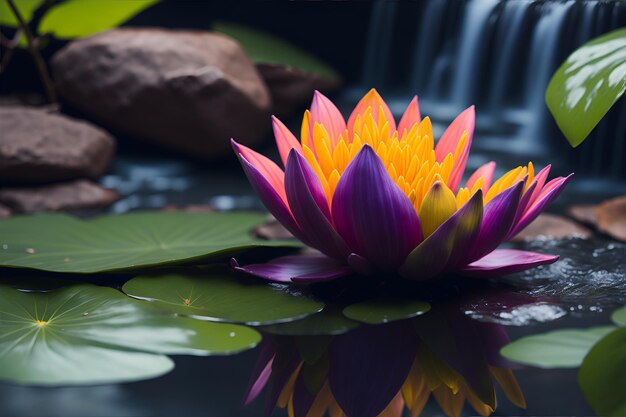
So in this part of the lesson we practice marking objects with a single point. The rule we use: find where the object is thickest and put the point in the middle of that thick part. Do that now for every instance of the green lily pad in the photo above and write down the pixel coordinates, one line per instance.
(86, 334)
(80, 18)
(328, 322)
(587, 85)
(602, 376)
(25, 7)
(61, 243)
(385, 310)
(557, 349)
(619, 316)
(222, 297)
(263, 47)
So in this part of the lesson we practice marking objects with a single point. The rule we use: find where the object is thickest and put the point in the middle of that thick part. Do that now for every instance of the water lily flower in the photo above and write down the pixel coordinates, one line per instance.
(373, 196)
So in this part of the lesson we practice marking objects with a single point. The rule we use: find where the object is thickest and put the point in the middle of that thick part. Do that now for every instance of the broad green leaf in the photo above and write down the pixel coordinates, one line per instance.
(557, 349)
(57, 242)
(619, 316)
(263, 47)
(222, 297)
(328, 322)
(385, 310)
(25, 7)
(585, 87)
(602, 376)
(86, 334)
(80, 18)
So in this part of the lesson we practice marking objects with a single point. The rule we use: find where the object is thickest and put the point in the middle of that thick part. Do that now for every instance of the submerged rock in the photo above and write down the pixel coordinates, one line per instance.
(73, 195)
(552, 226)
(292, 88)
(37, 146)
(611, 217)
(189, 91)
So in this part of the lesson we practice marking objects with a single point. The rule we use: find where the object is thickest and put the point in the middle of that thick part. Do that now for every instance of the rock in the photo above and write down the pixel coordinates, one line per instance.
(73, 195)
(272, 230)
(292, 88)
(584, 213)
(611, 215)
(552, 226)
(4, 212)
(37, 146)
(189, 91)
(192, 208)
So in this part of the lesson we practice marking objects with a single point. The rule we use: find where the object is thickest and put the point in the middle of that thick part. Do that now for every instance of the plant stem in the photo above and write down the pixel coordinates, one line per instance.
(41, 66)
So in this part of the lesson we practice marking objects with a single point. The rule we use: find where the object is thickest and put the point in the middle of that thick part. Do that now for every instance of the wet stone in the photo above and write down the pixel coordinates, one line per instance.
(552, 226)
(611, 216)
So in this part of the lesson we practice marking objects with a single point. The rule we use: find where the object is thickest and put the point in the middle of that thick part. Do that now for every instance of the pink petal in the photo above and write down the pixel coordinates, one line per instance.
(540, 179)
(265, 166)
(310, 267)
(309, 206)
(285, 140)
(261, 372)
(506, 261)
(410, 117)
(375, 101)
(372, 214)
(486, 172)
(450, 138)
(324, 112)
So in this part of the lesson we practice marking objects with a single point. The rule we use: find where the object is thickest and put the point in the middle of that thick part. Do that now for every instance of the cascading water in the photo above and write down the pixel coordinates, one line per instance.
(499, 55)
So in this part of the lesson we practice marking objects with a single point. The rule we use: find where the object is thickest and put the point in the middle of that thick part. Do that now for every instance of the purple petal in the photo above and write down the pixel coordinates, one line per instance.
(498, 216)
(261, 372)
(445, 246)
(548, 194)
(302, 398)
(360, 265)
(271, 199)
(494, 337)
(309, 206)
(281, 372)
(310, 267)
(369, 365)
(373, 215)
(506, 261)
(523, 205)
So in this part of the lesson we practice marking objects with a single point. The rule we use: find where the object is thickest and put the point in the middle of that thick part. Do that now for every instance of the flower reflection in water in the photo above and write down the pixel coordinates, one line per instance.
(379, 370)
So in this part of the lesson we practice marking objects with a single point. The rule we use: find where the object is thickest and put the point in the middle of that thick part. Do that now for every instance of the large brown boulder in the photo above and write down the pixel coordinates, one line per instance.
(189, 91)
(37, 146)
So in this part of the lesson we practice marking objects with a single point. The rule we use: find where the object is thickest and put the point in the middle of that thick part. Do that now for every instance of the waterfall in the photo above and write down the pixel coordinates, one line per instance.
(499, 55)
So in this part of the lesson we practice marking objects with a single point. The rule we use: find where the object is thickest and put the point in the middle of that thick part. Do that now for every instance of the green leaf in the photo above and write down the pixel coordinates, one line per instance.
(385, 310)
(86, 334)
(588, 83)
(602, 376)
(328, 322)
(57, 242)
(557, 349)
(25, 7)
(263, 47)
(220, 296)
(80, 18)
(619, 316)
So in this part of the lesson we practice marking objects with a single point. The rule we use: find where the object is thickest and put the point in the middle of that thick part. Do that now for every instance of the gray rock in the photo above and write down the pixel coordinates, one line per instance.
(37, 146)
(73, 195)
(189, 91)
(4, 212)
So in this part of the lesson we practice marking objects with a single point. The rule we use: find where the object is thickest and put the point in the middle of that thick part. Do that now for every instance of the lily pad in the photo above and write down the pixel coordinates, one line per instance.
(587, 85)
(328, 322)
(80, 18)
(619, 316)
(87, 334)
(263, 47)
(222, 297)
(61, 243)
(385, 310)
(557, 349)
(602, 377)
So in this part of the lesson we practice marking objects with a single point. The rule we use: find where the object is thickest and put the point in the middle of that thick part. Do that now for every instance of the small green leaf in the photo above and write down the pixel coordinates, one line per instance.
(80, 18)
(587, 85)
(557, 349)
(263, 47)
(86, 334)
(385, 310)
(220, 296)
(602, 376)
(328, 322)
(619, 316)
(25, 7)
(60, 243)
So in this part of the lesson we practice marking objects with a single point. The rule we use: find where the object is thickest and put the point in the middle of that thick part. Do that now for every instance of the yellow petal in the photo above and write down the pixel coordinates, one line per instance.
(438, 205)
(509, 385)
